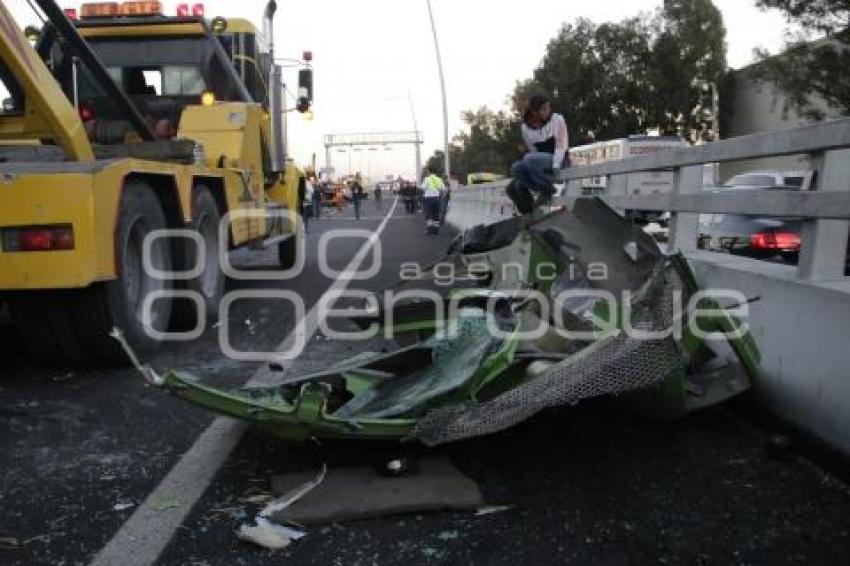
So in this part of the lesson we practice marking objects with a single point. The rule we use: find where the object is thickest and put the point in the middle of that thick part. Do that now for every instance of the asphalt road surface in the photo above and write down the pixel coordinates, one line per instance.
(85, 449)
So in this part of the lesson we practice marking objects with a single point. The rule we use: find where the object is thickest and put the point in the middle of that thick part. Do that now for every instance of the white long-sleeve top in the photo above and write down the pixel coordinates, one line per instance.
(552, 138)
(308, 193)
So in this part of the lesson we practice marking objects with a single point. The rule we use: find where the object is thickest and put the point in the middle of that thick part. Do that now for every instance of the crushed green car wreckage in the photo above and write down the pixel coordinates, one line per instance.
(524, 326)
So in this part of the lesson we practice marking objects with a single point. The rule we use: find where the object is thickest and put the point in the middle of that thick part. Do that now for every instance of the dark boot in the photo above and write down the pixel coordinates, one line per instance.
(521, 197)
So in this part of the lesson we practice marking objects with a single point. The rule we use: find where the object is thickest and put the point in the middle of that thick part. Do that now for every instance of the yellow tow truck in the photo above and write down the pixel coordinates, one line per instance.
(119, 126)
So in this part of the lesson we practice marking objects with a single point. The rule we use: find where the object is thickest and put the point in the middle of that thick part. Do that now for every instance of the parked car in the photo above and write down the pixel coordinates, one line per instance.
(766, 238)
(790, 180)
(752, 236)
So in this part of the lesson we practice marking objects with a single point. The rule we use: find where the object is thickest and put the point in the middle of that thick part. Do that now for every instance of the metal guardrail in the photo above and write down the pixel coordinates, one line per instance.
(813, 138)
(825, 210)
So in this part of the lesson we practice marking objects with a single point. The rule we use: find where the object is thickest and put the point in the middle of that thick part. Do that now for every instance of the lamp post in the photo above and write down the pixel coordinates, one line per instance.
(443, 90)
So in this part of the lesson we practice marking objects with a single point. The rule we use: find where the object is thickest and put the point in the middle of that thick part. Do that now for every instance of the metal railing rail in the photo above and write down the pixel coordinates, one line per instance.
(812, 138)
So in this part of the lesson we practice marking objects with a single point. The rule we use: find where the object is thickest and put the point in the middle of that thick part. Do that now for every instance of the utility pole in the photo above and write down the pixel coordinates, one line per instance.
(715, 110)
(443, 89)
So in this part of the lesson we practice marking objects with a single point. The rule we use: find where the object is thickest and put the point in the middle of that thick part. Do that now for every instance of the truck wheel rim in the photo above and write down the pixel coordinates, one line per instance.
(210, 276)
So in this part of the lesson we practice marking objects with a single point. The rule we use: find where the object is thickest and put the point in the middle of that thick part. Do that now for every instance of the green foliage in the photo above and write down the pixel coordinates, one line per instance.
(827, 16)
(689, 55)
(595, 75)
(809, 68)
(610, 80)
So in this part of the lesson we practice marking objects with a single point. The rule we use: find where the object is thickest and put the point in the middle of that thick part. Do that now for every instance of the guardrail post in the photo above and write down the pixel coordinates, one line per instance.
(824, 242)
(684, 226)
(617, 185)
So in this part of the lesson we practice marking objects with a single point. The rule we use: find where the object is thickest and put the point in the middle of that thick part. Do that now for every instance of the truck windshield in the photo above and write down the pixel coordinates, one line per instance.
(169, 80)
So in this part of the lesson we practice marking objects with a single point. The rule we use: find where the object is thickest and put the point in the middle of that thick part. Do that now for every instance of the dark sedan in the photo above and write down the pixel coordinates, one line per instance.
(767, 238)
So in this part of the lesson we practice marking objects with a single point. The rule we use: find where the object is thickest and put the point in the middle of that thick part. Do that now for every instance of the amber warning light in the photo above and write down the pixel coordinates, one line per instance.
(111, 9)
(99, 10)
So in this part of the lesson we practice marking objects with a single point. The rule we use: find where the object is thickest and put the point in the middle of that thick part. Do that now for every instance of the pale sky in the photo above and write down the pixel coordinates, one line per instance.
(369, 53)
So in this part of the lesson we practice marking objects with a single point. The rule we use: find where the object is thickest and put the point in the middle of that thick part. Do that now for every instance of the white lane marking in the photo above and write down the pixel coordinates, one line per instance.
(144, 536)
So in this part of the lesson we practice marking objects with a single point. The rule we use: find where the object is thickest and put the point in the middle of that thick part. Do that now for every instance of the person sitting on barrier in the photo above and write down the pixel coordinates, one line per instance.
(546, 139)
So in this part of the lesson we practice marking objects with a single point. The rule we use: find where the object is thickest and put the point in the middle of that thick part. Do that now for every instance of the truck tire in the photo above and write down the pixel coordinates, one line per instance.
(72, 327)
(287, 252)
(140, 214)
(210, 284)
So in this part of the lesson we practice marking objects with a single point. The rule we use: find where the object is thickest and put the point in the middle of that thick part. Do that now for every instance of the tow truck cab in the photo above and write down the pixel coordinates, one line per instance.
(89, 171)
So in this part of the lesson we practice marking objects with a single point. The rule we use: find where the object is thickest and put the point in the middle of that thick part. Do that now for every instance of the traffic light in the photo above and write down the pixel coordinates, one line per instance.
(305, 90)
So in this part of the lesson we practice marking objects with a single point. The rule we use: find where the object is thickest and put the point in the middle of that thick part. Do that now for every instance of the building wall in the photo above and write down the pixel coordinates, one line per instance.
(758, 107)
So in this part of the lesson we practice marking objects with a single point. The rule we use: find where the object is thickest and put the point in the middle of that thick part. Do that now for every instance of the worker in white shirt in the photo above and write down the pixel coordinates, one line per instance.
(307, 202)
(546, 139)
(432, 193)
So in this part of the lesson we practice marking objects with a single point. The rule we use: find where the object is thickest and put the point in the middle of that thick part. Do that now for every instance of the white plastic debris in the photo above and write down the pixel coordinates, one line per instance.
(283, 502)
(147, 372)
(269, 535)
(123, 506)
(492, 510)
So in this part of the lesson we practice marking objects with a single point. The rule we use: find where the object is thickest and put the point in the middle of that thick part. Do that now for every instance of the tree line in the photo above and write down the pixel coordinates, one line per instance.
(656, 72)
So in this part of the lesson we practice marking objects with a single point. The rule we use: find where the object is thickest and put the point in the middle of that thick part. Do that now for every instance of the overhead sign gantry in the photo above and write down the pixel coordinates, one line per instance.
(366, 139)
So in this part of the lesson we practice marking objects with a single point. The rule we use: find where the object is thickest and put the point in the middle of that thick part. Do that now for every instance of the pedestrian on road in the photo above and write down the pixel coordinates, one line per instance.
(307, 203)
(408, 193)
(432, 195)
(546, 141)
(379, 198)
(356, 196)
(339, 198)
(317, 200)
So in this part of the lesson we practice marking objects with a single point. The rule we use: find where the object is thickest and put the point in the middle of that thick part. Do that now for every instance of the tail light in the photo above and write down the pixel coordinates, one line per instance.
(198, 10)
(776, 241)
(70, 13)
(182, 10)
(38, 238)
(86, 112)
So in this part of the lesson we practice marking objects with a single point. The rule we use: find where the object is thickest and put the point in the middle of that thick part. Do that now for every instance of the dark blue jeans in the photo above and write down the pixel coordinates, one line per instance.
(317, 204)
(432, 209)
(535, 172)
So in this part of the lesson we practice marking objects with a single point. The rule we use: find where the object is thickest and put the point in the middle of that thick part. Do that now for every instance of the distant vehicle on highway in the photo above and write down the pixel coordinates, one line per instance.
(644, 183)
(482, 177)
(790, 180)
(653, 182)
(769, 238)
